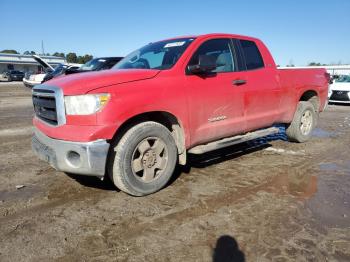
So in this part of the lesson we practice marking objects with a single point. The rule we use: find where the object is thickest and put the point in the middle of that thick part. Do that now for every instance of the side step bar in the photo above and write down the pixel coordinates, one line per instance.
(233, 140)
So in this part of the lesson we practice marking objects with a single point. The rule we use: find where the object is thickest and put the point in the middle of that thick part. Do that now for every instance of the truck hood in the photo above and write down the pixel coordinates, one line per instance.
(82, 83)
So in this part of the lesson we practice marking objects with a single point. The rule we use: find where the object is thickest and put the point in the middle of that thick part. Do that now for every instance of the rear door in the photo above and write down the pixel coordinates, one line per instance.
(262, 92)
(215, 104)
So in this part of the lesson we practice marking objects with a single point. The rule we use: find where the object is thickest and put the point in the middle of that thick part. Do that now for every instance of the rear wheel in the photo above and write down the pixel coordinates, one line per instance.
(303, 123)
(144, 159)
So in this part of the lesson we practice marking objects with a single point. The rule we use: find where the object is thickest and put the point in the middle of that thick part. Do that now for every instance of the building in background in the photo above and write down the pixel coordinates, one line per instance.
(26, 63)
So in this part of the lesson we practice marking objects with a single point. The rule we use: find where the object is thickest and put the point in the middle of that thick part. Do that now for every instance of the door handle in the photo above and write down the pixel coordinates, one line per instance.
(239, 82)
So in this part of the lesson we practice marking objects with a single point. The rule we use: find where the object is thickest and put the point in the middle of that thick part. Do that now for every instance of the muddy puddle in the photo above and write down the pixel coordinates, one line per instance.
(300, 186)
(23, 193)
(281, 135)
(331, 203)
(321, 133)
(326, 194)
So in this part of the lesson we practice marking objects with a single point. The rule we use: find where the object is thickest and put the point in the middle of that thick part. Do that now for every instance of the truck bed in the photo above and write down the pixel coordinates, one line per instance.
(296, 82)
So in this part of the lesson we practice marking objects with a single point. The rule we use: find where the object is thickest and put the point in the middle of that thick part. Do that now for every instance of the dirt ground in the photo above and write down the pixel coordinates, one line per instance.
(262, 201)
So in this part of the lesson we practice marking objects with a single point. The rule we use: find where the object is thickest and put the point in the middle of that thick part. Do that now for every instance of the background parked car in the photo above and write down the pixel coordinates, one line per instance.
(13, 75)
(36, 79)
(96, 64)
(60, 70)
(339, 90)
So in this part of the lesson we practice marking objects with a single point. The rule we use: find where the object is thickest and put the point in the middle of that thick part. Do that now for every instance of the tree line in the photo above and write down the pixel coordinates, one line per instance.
(316, 64)
(70, 57)
(74, 58)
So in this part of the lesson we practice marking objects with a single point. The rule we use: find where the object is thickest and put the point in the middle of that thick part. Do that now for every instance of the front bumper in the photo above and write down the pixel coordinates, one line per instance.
(338, 101)
(88, 158)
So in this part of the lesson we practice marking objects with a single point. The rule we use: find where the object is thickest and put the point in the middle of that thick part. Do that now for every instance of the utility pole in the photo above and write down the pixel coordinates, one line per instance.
(42, 47)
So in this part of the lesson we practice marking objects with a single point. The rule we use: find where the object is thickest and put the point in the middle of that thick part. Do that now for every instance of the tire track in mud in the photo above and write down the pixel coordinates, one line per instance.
(18, 131)
(47, 207)
(203, 207)
(131, 228)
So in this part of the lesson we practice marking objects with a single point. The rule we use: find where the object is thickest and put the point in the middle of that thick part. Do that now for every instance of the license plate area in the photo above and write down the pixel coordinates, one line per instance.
(44, 152)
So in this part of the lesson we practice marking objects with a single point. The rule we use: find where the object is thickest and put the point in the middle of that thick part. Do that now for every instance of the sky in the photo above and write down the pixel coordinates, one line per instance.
(297, 32)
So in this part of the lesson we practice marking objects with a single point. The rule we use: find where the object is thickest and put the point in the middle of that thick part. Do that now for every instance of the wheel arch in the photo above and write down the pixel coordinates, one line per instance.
(311, 96)
(170, 121)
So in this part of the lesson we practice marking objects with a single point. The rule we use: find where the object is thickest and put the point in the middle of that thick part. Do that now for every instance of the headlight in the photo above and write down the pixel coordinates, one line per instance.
(85, 104)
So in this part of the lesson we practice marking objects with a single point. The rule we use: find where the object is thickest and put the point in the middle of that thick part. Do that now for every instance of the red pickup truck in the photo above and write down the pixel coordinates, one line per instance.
(184, 95)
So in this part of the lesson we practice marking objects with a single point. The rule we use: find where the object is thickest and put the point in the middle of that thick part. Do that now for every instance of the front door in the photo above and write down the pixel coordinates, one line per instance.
(215, 103)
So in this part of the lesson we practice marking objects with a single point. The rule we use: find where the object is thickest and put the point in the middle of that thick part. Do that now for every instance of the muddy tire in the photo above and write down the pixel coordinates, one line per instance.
(303, 123)
(144, 159)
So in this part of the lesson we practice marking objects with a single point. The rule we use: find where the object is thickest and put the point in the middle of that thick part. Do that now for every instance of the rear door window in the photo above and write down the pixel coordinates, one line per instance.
(252, 56)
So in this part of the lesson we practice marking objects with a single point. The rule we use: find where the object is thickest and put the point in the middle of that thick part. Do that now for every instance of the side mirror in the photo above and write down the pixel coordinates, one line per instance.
(206, 64)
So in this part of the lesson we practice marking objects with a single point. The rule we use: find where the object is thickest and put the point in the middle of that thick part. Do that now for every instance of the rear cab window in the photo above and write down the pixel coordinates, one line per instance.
(251, 55)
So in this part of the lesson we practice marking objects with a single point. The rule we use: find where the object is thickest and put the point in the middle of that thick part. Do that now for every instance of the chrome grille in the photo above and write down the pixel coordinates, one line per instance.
(48, 104)
(339, 95)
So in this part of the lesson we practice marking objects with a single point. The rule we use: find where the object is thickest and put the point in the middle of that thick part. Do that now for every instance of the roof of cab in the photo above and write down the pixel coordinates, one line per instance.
(213, 35)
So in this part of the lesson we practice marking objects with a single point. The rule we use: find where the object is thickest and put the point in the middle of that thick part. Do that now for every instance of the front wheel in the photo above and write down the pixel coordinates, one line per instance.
(144, 159)
(303, 123)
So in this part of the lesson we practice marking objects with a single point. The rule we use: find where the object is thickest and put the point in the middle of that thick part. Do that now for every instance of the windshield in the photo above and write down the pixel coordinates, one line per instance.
(58, 70)
(160, 55)
(343, 79)
(92, 64)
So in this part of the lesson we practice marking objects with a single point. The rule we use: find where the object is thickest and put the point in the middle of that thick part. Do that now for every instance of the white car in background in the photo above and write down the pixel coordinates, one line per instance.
(31, 80)
(339, 91)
